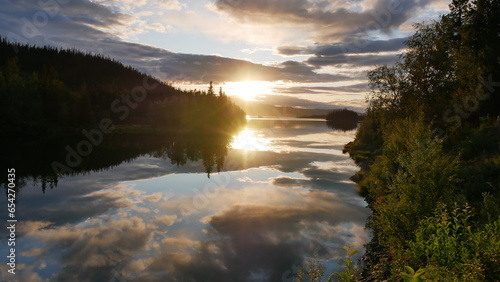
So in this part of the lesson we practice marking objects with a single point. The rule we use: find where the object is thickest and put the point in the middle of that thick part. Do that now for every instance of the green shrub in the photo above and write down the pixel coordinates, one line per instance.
(449, 246)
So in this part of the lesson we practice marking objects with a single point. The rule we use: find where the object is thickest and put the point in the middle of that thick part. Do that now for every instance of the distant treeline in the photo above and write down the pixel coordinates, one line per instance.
(429, 149)
(45, 89)
(343, 114)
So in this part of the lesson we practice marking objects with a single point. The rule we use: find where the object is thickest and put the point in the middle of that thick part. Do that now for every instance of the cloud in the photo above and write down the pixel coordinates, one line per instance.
(353, 88)
(242, 240)
(354, 55)
(158, 4)
(34, 252)
(78, 204)
(203, 68)
(29, 227)
(100, 31)
(89, 252)
(33, 20)
(131, 5)
(353, 61)
(345, 48)
(153, 197)
(158, 27)
(166, 220)
(289, 181)
(332, 20)
(259, 237)
(170, 4)
(323, 176)
(300, 72)
(261, 232)
(290, 101)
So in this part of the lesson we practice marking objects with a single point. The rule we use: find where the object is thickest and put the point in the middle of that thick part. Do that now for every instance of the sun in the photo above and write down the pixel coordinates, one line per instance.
(248, 90)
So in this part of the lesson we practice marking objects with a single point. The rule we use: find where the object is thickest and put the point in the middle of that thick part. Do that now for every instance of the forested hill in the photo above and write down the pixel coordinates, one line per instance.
(101, 75)
(45, 89)
(429, 149)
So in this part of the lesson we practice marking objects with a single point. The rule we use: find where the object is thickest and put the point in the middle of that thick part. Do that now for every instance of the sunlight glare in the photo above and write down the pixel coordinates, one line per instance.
(250, 140)
(248, 90)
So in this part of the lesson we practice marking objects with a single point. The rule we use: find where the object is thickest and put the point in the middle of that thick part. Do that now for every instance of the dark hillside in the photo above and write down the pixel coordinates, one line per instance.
(45, 89)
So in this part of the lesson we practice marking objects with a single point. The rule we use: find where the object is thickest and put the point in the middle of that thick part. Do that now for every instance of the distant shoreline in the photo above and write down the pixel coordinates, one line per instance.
(285, 118)
(314, 116)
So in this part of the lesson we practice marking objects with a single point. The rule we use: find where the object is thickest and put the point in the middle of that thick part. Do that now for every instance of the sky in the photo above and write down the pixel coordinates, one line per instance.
(301, 53)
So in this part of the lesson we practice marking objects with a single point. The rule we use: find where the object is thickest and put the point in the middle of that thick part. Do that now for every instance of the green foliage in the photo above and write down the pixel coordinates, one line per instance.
(410, 275)
(412, 175)
(367, 143)
(416, 175)
(480, 146)
(490, 208)
(313, 271)
(450, 245)
(439, 75)
(351, 272)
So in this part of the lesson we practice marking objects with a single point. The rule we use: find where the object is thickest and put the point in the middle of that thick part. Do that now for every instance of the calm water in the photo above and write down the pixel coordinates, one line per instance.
(283, 194)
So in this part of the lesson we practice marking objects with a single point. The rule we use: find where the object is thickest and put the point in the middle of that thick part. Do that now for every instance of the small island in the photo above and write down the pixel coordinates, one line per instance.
(343, 119)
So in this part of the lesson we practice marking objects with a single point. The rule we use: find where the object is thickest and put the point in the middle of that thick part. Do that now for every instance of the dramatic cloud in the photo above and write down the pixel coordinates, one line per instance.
(41, 22)
(87, 202)
(351, 55)
(342, 31)
(200, 68)
(352, 61)
(346, 48)
(332, 20)
(99, 28)
(354, 88)
(261, 239)
(88, 252)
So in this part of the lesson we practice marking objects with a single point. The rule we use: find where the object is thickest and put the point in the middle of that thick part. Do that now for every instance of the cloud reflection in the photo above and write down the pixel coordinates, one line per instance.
(266, 238)
(259, 221)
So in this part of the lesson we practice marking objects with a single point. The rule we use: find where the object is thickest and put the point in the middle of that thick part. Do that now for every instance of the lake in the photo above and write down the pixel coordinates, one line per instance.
(157, 209)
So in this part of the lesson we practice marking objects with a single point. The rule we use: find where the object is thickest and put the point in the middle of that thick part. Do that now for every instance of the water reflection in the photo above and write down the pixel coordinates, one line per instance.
(250, 140)
(149, 220)
(342, 124)
(49, 160)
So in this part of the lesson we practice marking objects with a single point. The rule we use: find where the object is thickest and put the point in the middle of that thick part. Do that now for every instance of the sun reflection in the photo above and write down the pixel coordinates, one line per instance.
(251, 140)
